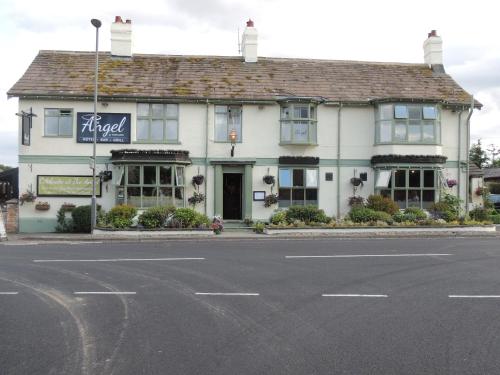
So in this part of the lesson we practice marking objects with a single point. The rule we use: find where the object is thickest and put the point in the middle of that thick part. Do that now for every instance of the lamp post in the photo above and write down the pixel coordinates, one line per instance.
(232, 138)
(93, 207)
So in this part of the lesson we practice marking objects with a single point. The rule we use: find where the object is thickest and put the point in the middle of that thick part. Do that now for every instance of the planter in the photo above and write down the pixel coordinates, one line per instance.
(68, 207)
(198, 179)
(42, 206)
(356, 181)
(270, 180)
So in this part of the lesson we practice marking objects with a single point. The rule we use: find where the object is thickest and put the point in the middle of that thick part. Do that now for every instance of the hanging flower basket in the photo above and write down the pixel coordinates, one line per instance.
(451, 183)
(198, 180)
(479, 191)
(29, 196)
(196, 198)
(268, 179)
(356, 181)
(42, 206)
(270, 199)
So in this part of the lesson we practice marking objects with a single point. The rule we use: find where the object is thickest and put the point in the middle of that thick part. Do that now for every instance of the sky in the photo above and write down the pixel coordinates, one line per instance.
(382, 30)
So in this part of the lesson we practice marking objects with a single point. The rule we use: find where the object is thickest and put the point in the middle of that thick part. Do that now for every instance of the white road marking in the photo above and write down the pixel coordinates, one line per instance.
(473, 296)
(79, 293)
(85, 242)
(113, 260)
(8, 293)
(19, 244)
(357, 295)
(227, 294)
(363, 256)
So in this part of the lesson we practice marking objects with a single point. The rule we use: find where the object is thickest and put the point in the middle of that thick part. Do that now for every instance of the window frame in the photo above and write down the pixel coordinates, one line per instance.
(408, 122)
(58, 135)
(165, 118)
(311, 121)
(239, 132)
(392, 188)
(293, 187)
(173, 185)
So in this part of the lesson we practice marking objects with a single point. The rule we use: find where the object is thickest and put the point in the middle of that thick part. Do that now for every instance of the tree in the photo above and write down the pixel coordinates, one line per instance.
(494, 151)
(4, 168)
(477, 155)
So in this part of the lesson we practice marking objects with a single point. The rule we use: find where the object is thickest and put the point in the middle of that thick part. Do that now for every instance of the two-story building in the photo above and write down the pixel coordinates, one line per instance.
(327, 130)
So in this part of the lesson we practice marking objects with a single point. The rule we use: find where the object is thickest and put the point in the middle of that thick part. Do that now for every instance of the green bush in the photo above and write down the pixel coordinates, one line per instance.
(479, 214)
(189, 218)
(259, 227)
(495, 219)
(155, 217)
(380, 203)
(279, 217)
(383, 216)
(307, 214)
(448, 208)
(121, 216)
(360, 214)
(418, 212)
(81, 219)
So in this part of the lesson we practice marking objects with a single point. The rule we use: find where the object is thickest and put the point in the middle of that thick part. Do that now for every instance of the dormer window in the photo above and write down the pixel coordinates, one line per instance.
(298, 124)
(408, 124)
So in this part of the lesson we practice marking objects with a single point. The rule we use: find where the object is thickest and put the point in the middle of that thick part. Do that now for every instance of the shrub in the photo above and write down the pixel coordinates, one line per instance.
(279, 217)
(479, 214)
(189, 218)
(121, 216)
(417, 212)
(64, 225)
(406, 217)
(259, 227)
(307, 214)
(383, 216)
(81, 219)
(448, 208)
(380, 203)
(155, 217)
(360, 214)
(495, 219)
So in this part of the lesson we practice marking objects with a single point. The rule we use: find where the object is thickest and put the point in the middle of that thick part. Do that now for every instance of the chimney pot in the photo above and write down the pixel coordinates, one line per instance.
(433, 49)
(249, 23)
(128, 21)
(249, 43)
(118, 19)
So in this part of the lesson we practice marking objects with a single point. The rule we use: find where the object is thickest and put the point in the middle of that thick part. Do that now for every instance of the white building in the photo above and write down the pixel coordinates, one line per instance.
(313, 124)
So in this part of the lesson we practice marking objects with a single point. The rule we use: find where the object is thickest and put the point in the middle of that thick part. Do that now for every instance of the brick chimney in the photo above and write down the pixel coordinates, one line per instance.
(433, 51)
(249, 43)
(121, 38)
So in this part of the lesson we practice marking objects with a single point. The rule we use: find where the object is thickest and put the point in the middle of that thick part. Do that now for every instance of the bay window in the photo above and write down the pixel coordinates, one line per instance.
(298, 124)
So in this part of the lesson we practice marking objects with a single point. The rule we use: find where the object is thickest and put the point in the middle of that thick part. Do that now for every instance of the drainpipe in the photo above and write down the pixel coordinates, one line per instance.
(206, 157)
(459, 151)
(467, 182)
(339, 118)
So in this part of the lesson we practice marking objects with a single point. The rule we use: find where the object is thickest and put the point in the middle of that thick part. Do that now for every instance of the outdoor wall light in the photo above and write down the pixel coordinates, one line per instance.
(232, 138)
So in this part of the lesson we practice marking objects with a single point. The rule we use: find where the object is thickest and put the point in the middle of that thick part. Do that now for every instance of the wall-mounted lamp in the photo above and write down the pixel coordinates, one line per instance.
(232, 138)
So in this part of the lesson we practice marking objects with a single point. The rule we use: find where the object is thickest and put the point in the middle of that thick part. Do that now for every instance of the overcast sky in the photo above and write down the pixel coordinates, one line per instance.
(348, 30)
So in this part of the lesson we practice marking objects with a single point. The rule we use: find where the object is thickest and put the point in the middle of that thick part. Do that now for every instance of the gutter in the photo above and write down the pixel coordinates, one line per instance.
(206, 156)
(339, 118)
(467, 182)
(459, 173)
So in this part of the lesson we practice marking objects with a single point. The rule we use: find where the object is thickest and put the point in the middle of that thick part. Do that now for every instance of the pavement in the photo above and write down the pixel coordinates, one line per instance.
(240, 306)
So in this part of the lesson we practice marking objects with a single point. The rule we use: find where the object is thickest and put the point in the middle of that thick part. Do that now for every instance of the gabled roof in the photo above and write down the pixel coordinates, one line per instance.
(490, 173)
(71, 74)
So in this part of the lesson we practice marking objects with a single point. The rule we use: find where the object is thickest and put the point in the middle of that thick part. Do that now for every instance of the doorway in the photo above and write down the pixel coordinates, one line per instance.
(232, 197)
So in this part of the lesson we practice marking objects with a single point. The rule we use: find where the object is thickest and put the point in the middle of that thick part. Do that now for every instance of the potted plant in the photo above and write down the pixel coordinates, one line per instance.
(29, 196)
(270, 199)
(42, 206)
(268, 179)
(197, 180)
(217, 225)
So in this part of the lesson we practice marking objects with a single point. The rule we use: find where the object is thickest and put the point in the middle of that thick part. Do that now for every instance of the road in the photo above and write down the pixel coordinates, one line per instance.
(270, 306)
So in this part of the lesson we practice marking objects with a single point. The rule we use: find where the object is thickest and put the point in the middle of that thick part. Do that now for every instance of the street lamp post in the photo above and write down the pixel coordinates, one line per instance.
(93, 207)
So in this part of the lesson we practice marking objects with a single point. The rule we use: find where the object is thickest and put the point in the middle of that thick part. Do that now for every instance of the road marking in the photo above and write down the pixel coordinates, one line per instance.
(227, 294)
(112, 260)
(85, 242)
(20, 244)
(8, 293)
(79, 293)
(363, 255)
(473, 296)
(357, 295)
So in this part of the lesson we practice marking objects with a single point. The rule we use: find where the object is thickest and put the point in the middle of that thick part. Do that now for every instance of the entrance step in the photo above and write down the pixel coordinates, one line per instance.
(236, 225)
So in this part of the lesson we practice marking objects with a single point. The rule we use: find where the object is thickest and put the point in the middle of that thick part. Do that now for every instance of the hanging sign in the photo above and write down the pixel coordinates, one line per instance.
(111, 127)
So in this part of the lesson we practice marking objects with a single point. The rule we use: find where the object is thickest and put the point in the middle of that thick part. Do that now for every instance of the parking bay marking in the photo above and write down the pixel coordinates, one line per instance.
(8, 293)
(105, 293)
(113, 260)
(473, 296)
(357, 295)
(225, 294)
(362, 256)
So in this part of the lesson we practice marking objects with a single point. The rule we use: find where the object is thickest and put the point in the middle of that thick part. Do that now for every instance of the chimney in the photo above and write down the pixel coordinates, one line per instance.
(121, 38)
(433, 51)
(249, 43)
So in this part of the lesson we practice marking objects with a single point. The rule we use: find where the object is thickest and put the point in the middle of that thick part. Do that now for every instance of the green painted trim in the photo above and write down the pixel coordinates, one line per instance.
(145, 142)
(247, 194)
(218, 189)
(61, 159)
(37, 225)
(451, 164)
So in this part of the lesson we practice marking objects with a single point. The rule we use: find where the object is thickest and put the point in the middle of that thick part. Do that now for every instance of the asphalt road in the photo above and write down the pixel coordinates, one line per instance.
(252, 307)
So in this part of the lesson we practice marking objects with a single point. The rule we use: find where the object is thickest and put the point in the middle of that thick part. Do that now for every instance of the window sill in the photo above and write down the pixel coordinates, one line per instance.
(406, 144)
(298, 144)
(156, 142)
(57, 136)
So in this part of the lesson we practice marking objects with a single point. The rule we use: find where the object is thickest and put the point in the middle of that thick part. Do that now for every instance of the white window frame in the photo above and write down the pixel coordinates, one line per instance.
(165, 118)
(226, 111)
(63, 113)
(288, 119)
